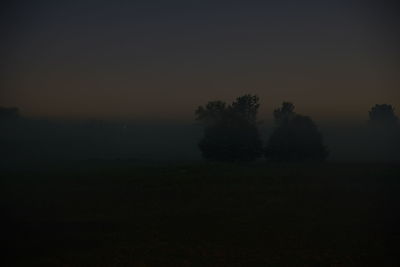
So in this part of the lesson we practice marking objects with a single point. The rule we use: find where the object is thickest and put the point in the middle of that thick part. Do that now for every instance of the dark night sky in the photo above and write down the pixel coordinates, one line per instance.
(160, 60)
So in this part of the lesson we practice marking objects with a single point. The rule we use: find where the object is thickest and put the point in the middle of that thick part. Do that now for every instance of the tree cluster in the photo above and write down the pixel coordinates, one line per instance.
(295, 138)
(383, 115)
(231, 132)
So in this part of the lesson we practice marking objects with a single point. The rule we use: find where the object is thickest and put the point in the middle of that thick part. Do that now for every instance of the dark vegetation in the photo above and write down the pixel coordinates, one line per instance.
(230, 132)
(296, 138)
(384, 131)
(383, 115)
(124, 214)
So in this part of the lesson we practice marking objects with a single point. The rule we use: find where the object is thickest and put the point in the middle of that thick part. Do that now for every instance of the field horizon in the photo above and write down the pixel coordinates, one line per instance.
(116, 213)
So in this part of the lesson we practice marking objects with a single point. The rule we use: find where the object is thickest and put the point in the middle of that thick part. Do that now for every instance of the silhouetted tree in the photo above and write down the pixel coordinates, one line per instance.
(383, 115)
(285, 113)
(384, 132)
(230, 132)
(295, 138)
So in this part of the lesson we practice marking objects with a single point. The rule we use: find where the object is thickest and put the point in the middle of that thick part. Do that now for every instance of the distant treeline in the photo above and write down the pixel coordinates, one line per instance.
(231, 132)
(45, 140)
(222, 132)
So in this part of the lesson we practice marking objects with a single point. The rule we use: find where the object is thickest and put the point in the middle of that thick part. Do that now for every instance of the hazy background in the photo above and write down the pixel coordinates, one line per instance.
(159, 60)
(121, 79)
(27, 141)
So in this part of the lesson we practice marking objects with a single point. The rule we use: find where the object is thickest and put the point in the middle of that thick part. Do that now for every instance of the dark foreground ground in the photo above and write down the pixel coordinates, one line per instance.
(126, 214)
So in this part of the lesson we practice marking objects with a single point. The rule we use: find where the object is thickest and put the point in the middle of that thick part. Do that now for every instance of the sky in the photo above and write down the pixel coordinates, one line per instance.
(159, 60)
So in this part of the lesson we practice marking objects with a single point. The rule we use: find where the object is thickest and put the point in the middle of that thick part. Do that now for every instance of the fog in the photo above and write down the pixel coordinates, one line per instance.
(27, 140)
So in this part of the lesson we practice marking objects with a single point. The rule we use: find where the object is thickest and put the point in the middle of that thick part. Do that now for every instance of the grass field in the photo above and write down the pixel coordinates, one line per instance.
(199, 214)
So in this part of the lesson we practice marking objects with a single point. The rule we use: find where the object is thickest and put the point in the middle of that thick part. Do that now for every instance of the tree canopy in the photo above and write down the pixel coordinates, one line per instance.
(230, 131)
(295, 138)
(383, 114)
